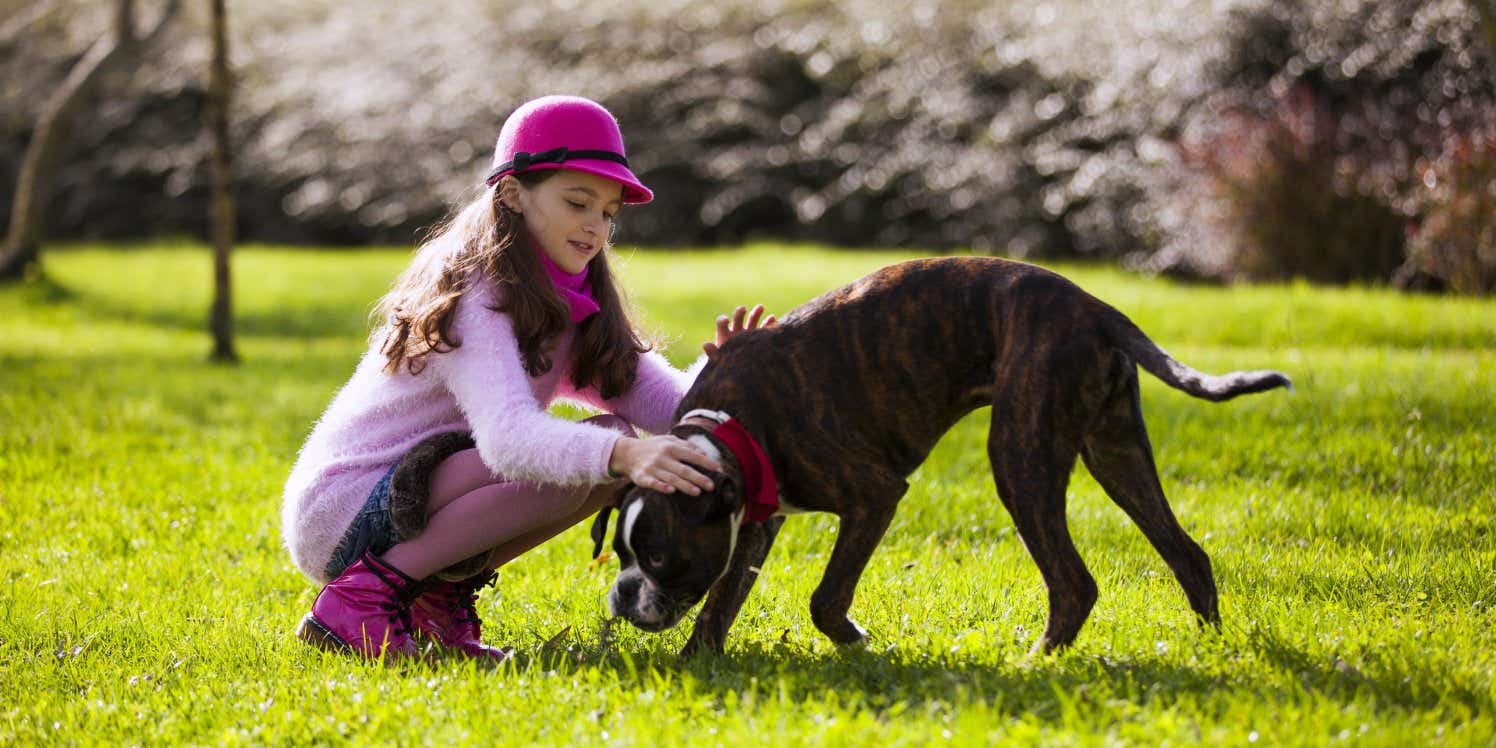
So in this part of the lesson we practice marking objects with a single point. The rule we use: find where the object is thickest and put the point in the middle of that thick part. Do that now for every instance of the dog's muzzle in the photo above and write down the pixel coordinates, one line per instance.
(635, 599)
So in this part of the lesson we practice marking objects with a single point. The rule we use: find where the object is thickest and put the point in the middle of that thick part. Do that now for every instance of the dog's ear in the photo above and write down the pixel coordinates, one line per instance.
(724, 501)
(600, 530)
(600, 525)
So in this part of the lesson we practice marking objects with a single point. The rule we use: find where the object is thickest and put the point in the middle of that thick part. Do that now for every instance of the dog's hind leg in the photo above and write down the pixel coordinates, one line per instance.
(1032, 456)
(1119, 456)
(727, 595)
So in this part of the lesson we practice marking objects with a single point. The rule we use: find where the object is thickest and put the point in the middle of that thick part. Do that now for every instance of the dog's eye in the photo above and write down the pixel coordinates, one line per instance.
(655, 560)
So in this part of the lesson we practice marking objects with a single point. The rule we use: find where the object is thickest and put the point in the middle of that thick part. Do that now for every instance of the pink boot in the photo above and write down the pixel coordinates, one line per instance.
(365, 610)
(447, 613)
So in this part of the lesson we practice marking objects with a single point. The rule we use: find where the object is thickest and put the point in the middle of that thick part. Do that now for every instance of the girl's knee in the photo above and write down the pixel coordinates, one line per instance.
(615, 422)
(571, 499)
(458, 474)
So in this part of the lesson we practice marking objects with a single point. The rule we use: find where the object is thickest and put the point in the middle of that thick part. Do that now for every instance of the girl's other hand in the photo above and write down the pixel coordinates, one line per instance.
(663, 463)
(742, 321)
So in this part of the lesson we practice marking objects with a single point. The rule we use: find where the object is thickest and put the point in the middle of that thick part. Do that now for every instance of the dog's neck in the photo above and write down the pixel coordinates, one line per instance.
(698, 427)
(742, 457)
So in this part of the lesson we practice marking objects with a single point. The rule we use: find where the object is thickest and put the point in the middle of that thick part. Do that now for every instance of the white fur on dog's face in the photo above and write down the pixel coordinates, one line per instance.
(630, 516)
(670, 556)
(650, 606)
(645, 609)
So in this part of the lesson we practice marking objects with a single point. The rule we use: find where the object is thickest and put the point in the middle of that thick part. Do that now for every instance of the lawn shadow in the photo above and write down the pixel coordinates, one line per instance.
(307, 318)
(45, 290)
(1408, 682)
(1047, 687)
(303, 321)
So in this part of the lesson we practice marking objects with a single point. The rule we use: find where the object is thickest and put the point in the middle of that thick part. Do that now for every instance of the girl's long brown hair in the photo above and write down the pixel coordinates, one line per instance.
(484, 242)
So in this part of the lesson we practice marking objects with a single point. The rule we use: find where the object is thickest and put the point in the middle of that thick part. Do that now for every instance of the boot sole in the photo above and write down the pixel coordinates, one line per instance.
(495, 655)
(314, 633)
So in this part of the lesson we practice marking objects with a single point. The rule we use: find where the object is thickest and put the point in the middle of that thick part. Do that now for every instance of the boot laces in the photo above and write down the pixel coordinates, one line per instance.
(464, 603)
(397, 607)
(399, 618)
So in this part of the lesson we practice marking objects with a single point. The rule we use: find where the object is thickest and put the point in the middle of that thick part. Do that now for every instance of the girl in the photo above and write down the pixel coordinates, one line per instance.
(439, 449)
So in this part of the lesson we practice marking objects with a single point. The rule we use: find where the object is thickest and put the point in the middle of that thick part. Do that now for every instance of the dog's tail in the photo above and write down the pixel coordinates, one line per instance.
(1148, 355)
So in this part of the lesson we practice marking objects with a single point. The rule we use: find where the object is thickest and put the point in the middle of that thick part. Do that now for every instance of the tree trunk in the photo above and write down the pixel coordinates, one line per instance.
(124, 22)
(1487, 11)
(48, 139)
(220, 88)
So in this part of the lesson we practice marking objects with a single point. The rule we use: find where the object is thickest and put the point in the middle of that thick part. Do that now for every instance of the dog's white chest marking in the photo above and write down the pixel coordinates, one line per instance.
(732, 542)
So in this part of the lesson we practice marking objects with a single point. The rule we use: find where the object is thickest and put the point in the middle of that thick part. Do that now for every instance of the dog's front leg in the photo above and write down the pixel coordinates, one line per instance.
(727, 595)
(860, 533)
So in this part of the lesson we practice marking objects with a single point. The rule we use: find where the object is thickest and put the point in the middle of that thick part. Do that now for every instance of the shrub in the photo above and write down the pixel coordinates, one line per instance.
(1281, 196)
(1455, 245)
(1307, 158)
(1004, 127)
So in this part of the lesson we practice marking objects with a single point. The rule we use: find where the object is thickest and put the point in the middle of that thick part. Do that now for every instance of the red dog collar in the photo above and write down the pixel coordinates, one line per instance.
(760, 489)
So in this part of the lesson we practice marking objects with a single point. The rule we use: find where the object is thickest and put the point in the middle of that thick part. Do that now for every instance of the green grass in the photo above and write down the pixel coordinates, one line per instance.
(145, 596)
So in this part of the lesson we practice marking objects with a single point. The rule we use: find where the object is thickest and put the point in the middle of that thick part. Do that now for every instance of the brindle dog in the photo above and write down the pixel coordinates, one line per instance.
(850, 392)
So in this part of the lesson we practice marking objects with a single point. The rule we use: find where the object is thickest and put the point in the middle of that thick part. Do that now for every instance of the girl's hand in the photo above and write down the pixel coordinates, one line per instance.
(663, 463)
(739, 325)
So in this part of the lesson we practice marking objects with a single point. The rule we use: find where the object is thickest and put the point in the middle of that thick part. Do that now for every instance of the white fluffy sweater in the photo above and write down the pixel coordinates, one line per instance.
(481, 387)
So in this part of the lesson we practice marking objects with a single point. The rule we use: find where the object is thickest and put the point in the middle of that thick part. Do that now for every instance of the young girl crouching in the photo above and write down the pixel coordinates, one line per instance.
(438, 462)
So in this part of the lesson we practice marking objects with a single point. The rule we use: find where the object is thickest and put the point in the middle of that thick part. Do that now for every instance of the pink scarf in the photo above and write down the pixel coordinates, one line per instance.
(573, 287)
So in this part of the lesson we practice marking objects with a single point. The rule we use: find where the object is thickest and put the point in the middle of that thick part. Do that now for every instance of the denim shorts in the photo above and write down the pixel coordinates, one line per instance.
(371, 530)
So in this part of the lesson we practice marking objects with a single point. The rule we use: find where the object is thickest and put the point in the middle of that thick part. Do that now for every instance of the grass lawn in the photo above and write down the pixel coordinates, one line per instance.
(145, 595)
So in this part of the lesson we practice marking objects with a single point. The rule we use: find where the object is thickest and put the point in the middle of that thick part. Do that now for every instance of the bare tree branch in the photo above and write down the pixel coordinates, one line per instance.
(21, 23)
(53, 129)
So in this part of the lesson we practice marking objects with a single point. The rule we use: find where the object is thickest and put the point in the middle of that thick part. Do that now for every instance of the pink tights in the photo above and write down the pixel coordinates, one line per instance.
(472, 510)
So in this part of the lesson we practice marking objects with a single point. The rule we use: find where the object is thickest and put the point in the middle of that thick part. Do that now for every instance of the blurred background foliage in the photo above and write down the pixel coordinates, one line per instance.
(1337, 141)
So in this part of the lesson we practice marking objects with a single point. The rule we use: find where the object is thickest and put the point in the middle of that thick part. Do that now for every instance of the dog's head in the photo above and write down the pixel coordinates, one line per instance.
(671, 549)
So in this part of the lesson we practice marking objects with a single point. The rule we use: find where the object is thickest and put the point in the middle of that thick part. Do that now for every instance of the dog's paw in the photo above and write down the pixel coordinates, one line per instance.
(696, 647)
(862, 635)
(1046, 646)
(847, 633)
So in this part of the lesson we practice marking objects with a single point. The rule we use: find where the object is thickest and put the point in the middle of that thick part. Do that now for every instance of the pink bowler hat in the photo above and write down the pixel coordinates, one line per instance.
(565, 132)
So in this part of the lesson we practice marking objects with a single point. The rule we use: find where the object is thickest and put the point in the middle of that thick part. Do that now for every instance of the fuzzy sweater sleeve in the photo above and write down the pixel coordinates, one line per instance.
(515, 435)
(651, 403)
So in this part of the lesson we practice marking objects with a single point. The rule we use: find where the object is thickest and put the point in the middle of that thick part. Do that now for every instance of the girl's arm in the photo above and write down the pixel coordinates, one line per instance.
(515, 436)
(650, 404)
(659, 387)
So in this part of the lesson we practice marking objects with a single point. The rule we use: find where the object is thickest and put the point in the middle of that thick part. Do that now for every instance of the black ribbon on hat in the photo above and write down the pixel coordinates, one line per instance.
(523, 160)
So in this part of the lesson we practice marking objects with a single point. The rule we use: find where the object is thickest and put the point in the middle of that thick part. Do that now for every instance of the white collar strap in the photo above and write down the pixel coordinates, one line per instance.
(716, 416)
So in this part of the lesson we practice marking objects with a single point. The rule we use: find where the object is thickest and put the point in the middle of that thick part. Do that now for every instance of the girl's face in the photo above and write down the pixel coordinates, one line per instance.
(570, 215)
